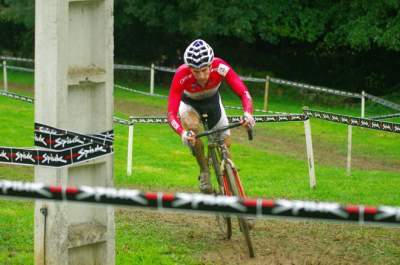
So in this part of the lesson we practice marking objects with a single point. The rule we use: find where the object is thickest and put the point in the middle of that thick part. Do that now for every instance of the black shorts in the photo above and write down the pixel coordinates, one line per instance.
(210, 106)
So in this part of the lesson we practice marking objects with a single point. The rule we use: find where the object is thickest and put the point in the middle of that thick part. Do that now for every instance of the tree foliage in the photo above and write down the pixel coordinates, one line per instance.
(357, 24)
(334, 42)
(18, 11)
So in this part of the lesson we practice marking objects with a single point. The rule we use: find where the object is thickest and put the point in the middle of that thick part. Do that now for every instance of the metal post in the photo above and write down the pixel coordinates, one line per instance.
(363, 104)
(310, 154)
(152, 79)
(130, 149)
(349, 140)
(266, 93)
(5, 81)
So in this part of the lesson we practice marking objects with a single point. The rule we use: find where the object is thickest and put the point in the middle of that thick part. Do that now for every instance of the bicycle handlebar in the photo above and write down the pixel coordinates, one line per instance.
(224, 128)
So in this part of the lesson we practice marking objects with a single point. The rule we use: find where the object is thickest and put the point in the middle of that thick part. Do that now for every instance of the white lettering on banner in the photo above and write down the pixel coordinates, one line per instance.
(50, 158)
(282, 118)
(3, 154)
(109, 135)
(6, 186)
(388, 212)
(335, 118)
(109, 193)
(62, 142)
(386, 127)
(24, 156)
(211, 200)
(396, 128)
(344, 119)
(308, 206)
(364, 123)
(354, 122)
(375, 125)
(46, 130)
(85, 152)
(40, 138)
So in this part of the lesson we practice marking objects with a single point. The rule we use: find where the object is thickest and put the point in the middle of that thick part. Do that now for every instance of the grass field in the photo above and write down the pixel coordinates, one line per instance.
(273, 165)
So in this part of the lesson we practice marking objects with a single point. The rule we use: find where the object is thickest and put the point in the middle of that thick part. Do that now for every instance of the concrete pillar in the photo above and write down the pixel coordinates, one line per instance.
(74, 91)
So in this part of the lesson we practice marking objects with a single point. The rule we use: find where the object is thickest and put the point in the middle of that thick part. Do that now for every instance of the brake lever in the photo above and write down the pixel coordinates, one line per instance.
(250, 134)
(249, 130)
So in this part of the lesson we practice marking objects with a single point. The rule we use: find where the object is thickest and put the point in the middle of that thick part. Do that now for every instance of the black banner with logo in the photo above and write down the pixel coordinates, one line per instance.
(354, 121)
(62, 148)
(257, 118)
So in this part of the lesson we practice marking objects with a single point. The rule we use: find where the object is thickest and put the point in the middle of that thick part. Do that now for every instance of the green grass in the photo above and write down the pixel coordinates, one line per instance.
(268, 168)
(16, 232)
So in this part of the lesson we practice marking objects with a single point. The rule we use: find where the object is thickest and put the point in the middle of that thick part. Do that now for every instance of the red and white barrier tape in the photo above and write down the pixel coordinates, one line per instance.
(205, 203)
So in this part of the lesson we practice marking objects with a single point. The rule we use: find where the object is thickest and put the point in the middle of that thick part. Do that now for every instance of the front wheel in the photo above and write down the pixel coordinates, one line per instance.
(237, 190)
(224, 221)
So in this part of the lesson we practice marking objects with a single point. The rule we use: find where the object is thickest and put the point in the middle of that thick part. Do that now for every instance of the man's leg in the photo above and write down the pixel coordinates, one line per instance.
(191, 121)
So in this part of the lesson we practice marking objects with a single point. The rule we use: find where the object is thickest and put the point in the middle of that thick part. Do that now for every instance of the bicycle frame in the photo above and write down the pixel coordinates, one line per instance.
(217, 147)
(220, 149)
(228, 179)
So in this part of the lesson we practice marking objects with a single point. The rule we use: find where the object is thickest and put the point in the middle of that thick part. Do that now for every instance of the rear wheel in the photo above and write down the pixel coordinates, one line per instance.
(237, 190)
(224, 221)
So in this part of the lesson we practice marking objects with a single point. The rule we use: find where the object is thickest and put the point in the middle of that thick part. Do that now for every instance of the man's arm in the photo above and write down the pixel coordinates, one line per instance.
(174, 99)
(240, 89)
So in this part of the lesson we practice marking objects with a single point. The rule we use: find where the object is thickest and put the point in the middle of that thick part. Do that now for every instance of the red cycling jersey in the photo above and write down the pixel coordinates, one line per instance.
(185, 83)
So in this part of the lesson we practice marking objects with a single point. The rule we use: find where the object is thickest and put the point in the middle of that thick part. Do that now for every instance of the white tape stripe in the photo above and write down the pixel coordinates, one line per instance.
(361, 214)
(259, 207)
(23, 69)
(9, 58)
(159, 200)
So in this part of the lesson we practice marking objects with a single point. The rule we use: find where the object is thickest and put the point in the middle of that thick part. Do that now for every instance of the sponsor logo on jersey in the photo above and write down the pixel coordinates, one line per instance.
(186, 77)
(223, 69)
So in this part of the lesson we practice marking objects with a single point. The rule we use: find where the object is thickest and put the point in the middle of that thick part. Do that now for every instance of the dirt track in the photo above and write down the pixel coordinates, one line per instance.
(278, 241)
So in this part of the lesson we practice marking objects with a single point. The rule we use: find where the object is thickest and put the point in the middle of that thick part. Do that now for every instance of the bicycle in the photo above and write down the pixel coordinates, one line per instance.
(228, 180)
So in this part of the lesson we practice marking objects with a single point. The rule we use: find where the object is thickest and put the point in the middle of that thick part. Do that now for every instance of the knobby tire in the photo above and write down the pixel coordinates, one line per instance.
(244, 227)
(224, 221)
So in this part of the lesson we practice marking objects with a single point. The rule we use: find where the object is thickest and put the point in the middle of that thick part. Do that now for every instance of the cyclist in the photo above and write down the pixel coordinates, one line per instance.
(194, 92)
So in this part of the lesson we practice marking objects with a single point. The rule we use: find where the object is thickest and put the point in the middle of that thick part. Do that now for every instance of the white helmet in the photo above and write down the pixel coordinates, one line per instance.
(198, 54)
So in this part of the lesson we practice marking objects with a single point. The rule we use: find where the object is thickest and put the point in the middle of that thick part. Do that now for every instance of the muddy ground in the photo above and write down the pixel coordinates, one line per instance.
(278, 241)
